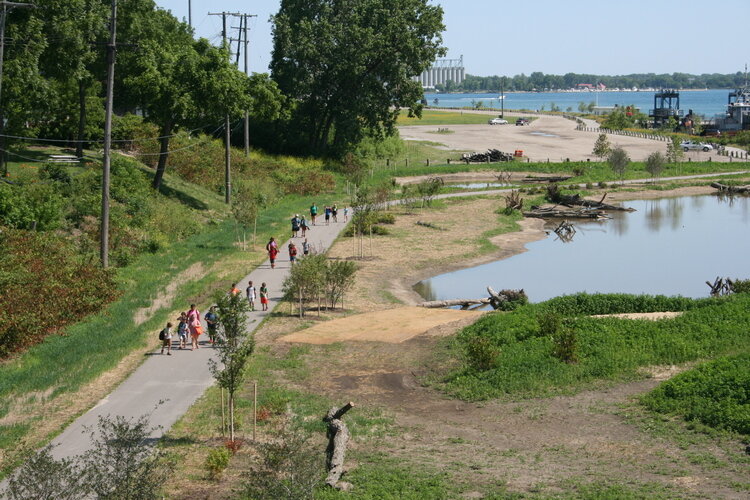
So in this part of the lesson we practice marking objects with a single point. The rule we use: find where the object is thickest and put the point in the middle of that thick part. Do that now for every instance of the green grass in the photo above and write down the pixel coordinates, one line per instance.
(432, 117)
(716, 394)
(522, 362)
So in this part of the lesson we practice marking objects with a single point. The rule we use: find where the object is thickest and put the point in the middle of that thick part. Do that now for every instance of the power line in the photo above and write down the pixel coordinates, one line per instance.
(75, 141)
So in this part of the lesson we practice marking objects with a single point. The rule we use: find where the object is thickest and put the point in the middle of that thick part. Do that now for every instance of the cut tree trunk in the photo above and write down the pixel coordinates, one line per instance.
(338, 437)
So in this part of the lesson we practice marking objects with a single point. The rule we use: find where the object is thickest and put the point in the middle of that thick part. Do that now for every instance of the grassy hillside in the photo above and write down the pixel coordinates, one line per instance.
(173, 248)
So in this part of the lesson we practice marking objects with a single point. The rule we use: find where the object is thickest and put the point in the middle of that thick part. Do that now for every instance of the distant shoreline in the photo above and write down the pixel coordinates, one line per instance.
(570, 91)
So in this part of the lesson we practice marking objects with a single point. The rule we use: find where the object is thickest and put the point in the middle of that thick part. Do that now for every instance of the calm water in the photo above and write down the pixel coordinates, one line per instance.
(669, 246)
(704, 102)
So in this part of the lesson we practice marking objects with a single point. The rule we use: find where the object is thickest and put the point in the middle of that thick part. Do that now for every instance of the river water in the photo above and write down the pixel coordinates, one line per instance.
(704, 102)
(670, 246)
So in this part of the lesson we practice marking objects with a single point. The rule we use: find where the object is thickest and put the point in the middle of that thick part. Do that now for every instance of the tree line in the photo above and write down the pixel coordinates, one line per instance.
(540, 81)
(339, 69)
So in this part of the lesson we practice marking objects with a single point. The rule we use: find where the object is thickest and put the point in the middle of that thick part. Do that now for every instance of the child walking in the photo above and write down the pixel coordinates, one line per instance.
(264, 296)
(166, 339)
(182, 330)
(250, 290)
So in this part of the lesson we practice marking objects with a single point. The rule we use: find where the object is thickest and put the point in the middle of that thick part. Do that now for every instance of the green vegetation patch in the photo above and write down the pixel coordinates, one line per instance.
(527, 353)
(716, 394)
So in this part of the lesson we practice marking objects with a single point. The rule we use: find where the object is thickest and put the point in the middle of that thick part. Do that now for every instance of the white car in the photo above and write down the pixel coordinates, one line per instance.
(695, 146)
(498, 121)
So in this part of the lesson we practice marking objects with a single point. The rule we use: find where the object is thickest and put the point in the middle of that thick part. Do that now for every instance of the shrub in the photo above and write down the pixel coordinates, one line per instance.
(602, 184)
(565, 343)
(740, 286)
(715, 394)
(384, 218)
(216, 461)
(45, 265)
(481, 353)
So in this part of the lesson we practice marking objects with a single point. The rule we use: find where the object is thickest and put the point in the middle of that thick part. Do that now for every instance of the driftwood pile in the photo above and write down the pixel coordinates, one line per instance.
(723, 188)
(338, 437)
(554, 212)
(489, 156)
(576, 201)
(721, 286)
(495, 299)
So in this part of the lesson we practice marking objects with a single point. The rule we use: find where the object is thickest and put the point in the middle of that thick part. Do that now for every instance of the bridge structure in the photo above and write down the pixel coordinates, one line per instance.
(442, 71)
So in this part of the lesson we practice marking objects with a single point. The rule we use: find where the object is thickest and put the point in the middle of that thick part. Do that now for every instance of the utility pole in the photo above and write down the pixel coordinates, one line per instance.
(242, 39)
(6, 7)
(227, 130)
(104, 249)
(190, 13)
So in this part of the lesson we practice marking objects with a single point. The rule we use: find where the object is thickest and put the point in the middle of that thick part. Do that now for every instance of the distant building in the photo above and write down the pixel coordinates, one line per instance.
(442, 71)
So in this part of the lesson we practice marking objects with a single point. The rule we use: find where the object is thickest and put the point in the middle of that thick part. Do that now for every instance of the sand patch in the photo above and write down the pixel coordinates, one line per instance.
(392, 326)
(166, 296)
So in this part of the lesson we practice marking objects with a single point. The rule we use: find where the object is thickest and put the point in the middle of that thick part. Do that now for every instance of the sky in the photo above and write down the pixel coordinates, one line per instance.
(501, 37)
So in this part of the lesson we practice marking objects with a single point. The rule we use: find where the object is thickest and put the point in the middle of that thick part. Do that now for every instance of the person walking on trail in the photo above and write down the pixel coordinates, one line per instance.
(292, 253)
(234, 290)
(335, 212)
(182, 330)
(346, 214)
(328, 214)
(250, 291)
(313, 212)
(194, 324)
(264, 296)
(166, 339)
(303, 225)
(211, 319)
(273, 250)
(305, 247)
(295, 225)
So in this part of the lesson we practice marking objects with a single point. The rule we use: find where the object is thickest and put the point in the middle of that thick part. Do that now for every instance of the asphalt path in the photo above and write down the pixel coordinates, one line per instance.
(164, 387)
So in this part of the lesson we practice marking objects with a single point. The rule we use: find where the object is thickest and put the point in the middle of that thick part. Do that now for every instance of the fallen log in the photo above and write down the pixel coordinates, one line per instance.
(576, 201)
(543, 213)
(430, 225)
(723, 188)
(536, 178)
(464, 303)
(338, 437)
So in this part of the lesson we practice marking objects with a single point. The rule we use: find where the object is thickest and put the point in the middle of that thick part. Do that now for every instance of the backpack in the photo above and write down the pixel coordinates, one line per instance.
(162, 335)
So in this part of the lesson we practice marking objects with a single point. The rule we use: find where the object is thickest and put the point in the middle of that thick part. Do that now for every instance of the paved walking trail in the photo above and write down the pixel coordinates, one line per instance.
(166, 386)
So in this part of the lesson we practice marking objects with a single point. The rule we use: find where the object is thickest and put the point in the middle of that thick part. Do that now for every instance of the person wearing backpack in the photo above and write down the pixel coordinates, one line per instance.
(166, 339)
(292, 253)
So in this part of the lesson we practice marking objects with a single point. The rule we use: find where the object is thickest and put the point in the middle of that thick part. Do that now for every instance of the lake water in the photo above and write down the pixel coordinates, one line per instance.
(670, 246)
(704, 102)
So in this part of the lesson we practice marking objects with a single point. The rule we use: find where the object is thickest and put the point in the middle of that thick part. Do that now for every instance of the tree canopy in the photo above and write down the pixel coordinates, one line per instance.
(348, 65)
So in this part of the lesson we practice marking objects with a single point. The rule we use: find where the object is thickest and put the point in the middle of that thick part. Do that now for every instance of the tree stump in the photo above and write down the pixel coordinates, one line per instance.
(338, 437)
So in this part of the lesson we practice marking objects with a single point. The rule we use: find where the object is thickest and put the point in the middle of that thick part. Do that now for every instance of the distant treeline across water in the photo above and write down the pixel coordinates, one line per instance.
(704, 102)
(540, 81)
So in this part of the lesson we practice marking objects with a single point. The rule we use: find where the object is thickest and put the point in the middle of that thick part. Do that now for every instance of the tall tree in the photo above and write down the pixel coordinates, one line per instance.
(349, 65)
(179, 81)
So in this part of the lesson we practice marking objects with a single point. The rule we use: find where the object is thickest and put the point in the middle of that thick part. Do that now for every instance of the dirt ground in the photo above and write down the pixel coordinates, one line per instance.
(528, 446)
(550, 138)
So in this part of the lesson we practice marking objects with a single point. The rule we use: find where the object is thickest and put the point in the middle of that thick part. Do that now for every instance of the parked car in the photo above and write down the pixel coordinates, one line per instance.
(522, 121)
(695, 146)
(498, 121)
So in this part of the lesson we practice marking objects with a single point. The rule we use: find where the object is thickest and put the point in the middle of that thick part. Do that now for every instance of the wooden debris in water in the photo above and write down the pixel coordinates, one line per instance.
(554, 212)
(723, 188)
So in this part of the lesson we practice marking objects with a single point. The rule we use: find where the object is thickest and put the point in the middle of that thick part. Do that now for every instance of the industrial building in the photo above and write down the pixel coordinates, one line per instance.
(442, 71)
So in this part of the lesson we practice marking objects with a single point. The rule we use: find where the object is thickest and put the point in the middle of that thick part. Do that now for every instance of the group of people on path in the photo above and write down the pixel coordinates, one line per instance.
(300, 225)
(329, 212)
(189, 322)
(189, 326)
